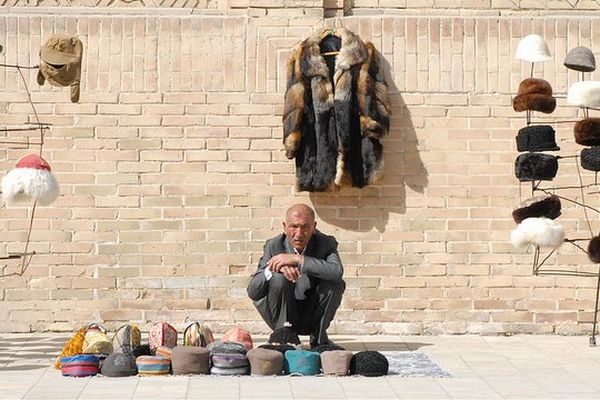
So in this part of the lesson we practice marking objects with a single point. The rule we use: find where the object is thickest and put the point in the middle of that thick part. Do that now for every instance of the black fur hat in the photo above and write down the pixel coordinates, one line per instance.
(540, 206)
(587, 132)
(369, 363)
(536, 138)
(594, 249)
(590, 159)
(535, 166)
(535, 95)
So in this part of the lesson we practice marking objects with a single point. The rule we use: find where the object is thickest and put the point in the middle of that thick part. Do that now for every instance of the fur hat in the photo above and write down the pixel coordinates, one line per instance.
(535, 95)
(547, 206)
(587, 131)
(584, 94)
(60, 62)
(594, 249)
(31, 179)
(533, 48)
(369, 363)
(535, 166)
(537, 138)
(539, 232)
(590, 159)
(580, 59)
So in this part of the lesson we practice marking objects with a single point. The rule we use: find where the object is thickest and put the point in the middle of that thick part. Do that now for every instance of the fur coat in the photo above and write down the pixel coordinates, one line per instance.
(331, 126)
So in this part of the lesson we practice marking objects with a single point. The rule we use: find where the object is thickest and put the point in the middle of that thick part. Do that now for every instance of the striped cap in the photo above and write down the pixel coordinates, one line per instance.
(153, 365)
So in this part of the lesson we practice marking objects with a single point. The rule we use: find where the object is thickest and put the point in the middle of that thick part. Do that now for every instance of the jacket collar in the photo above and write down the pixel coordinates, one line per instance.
(352, 52)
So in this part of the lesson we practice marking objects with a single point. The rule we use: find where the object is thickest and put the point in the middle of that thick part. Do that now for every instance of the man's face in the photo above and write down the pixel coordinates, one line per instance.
(299, 228)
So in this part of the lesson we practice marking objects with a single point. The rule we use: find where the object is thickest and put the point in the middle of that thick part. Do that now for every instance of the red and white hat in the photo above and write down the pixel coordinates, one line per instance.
(32, 179)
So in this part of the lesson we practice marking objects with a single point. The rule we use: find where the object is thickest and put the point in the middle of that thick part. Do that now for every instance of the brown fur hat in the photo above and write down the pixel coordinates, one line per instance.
(547, 206)
(534, 95)
(594, 249)
(587, 132)
(535, 86)
(534, 102)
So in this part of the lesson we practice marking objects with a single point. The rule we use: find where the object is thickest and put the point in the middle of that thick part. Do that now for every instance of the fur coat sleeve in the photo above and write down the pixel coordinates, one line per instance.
(335, 114)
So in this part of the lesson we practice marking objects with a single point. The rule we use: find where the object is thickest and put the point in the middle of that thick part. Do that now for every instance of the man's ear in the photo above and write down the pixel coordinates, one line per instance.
(315, 226)
(284, 225)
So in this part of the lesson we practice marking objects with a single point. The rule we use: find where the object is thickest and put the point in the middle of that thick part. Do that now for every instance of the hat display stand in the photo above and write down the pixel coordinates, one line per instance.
(545, 232)
(34, 174)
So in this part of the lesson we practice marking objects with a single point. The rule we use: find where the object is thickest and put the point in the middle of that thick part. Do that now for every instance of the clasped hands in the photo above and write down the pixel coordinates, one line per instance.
(286, 264)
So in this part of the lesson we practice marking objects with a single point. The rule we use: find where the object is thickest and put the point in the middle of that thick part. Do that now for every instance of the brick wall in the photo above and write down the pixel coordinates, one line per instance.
(172, 170)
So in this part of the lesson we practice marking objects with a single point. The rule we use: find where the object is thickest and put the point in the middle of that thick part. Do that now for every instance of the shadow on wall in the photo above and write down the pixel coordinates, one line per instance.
(361, 210)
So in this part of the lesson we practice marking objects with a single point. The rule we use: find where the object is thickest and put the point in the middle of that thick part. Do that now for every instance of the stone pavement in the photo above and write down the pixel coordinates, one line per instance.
(482, 367)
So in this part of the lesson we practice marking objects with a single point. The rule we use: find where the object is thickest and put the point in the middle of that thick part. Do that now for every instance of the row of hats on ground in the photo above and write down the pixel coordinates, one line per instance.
(90, 352)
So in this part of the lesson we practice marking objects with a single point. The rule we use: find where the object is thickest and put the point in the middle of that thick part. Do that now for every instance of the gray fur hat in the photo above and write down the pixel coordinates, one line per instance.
(580, 59)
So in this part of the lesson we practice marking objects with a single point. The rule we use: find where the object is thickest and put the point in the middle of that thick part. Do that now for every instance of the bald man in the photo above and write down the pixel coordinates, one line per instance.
(298, 282)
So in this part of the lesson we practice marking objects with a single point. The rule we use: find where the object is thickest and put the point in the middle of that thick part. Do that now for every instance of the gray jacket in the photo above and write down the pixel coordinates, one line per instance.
(321, 261)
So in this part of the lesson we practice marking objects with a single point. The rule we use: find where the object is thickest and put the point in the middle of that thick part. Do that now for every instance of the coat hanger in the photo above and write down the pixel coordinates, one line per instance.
(328, 33)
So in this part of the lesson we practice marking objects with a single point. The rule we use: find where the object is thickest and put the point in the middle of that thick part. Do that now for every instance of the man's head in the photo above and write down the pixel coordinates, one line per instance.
(299, 225)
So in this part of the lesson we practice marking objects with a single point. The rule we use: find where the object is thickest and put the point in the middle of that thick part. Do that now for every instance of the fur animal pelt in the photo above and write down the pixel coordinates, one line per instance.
(539, 232)
(539, 206)
(535, 166)
(334, 116)
(590, 159)
(594, 249)
(584, 94)
(587, 132)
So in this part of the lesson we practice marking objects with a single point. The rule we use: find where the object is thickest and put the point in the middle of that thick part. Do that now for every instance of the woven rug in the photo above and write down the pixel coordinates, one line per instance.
(411, 364)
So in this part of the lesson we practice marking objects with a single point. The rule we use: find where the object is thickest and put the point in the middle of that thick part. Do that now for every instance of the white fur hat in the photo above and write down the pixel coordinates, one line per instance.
(539, 232)
(584, 94)
(533, 48)
(32, 179)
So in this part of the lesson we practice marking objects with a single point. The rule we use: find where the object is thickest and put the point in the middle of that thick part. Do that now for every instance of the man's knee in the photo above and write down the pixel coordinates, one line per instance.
(279, 282)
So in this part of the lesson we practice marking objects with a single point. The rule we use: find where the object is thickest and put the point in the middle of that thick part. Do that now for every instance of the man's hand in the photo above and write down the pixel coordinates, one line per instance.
(291, 273)
(284, 260)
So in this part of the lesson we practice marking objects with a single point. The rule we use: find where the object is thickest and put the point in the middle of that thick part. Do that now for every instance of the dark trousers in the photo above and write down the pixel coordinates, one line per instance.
(310, 316)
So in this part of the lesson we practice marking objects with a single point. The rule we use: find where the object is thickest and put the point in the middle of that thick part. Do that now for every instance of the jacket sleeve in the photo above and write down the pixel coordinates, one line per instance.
(329, 269)
(293, 104)
(257, 288)
(373, 100)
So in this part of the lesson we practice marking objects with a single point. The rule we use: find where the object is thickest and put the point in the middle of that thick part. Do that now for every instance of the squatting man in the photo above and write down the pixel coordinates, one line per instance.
(298, 282)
